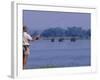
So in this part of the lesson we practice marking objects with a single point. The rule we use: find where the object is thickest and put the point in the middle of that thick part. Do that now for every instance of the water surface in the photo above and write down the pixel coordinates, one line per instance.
(47, 54)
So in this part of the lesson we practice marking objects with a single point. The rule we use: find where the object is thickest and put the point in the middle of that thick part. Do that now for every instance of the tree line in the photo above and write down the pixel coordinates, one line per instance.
(69, 32)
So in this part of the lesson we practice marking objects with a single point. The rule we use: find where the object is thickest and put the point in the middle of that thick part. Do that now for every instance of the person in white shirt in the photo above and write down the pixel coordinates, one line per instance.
(26, 42)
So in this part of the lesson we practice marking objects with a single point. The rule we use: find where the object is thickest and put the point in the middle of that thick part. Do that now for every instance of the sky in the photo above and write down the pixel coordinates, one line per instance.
(40, 20)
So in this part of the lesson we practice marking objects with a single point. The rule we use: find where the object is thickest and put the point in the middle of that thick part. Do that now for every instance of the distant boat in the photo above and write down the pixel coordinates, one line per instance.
(73, 39)
(52, 40)
(61, 39)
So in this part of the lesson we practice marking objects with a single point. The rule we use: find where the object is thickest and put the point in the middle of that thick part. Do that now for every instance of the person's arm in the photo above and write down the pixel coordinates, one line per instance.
(29, 37)
(36, 37)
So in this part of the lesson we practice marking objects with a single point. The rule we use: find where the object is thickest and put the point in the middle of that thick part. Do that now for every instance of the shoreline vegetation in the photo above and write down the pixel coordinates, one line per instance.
(71, 33)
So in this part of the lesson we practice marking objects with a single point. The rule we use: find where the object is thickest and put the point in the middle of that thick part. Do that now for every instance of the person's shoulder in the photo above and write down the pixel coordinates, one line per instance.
(25, 33)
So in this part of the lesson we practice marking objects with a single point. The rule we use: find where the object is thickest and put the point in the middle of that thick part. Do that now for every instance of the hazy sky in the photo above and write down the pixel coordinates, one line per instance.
(39, 20)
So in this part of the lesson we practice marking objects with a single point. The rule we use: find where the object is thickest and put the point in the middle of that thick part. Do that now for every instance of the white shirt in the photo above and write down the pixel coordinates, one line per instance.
(26, 38)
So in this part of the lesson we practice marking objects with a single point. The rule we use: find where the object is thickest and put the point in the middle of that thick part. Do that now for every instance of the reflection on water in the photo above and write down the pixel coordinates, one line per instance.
(47, 54)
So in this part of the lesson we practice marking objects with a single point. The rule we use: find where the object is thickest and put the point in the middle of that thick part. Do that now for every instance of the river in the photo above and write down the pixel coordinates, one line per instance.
(47, 54)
